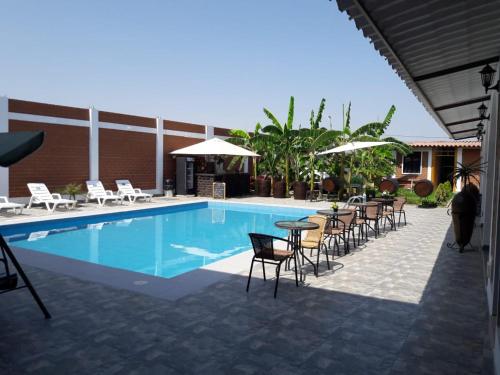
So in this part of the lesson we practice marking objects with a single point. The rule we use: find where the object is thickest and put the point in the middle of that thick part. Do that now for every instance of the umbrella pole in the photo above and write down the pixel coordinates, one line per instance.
(27, 283)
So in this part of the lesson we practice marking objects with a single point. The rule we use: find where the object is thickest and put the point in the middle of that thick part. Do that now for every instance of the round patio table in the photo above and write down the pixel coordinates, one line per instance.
(295, 228)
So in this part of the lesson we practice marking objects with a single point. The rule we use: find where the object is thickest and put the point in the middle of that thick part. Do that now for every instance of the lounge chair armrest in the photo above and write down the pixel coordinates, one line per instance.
(56, 196)
(138, 191)
(109, 192)
(4, 199)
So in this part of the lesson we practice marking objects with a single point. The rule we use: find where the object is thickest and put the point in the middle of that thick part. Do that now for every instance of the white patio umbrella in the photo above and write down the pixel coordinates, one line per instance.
(352, 146)
(214, 146)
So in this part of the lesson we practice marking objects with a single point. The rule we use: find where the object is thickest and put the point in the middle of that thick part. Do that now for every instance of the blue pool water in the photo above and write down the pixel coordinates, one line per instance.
(164, 242)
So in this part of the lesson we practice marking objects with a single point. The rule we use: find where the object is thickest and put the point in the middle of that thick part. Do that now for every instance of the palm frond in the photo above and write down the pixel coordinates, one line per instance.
(291, 109)
(273, 119)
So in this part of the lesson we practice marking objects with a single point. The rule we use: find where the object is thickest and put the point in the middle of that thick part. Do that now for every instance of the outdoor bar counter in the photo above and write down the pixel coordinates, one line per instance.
(237, 184)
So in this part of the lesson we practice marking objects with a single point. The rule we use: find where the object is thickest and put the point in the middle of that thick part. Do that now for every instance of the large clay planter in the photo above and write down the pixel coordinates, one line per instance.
(279, 190)
(263, 187)
(329, 185)
(299, 190)
(389, 184)
(463, 212)
(423, 188)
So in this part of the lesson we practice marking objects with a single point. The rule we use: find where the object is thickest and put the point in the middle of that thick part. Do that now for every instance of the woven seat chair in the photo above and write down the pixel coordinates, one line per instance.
(266, 253)
(373, 214)
(388, 215)
(398, 208)
(349, 223)
(315, 240)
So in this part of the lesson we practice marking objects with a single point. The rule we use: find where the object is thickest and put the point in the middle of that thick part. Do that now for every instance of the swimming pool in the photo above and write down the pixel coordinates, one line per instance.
(164, 242)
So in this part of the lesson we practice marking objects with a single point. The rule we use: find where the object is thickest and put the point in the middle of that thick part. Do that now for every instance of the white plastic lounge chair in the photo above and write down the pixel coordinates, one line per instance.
(40, 194)
(126, 190)
(96, 191)
(6, 205)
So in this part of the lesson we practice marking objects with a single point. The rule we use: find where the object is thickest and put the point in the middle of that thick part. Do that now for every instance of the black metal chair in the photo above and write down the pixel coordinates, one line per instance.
(264, 252)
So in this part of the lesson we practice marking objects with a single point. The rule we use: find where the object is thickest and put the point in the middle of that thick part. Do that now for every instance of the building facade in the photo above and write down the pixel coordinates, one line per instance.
(436, 161)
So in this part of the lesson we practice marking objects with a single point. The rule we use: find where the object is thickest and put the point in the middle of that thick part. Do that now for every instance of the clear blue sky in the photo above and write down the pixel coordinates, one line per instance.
(210, 62)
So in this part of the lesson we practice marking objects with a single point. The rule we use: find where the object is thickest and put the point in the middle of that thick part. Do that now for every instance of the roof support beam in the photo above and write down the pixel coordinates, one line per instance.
(462, 103)
(469, 136)
(456, 69)
(464, 131)
(463, 121)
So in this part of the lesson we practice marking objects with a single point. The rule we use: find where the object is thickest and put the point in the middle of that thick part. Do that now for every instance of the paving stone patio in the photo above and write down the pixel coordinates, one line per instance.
(401, 304)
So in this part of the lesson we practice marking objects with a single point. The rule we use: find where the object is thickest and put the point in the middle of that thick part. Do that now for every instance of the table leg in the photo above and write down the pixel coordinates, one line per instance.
(296, 258)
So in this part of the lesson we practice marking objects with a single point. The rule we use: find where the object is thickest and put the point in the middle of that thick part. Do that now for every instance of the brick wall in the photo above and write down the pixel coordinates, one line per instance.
(62, 159)
(120, 118)
(205, 185)
(127, 155)
(406, 179)
(43, 109)
(472, 157)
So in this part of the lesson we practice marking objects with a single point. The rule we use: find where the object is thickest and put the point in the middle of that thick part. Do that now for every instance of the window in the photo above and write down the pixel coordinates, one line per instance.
(412, 163)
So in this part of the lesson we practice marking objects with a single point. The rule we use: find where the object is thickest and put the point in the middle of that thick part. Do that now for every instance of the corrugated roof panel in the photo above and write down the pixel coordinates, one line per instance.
(431, 36)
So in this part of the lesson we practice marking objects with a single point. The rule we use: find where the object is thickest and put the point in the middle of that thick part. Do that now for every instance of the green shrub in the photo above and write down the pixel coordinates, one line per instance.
(443, 193)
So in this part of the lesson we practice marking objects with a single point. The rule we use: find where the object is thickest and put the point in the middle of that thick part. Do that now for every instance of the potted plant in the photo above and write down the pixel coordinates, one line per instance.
(72, 190)
(263, 186)
(335, 206)
(464, 204)
(279, 189)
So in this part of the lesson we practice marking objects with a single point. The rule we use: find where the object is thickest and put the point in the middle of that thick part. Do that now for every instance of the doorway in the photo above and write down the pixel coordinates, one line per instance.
(445, 164)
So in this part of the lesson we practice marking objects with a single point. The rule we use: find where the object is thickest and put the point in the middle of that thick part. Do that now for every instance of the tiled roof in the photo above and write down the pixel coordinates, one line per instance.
(467, 144)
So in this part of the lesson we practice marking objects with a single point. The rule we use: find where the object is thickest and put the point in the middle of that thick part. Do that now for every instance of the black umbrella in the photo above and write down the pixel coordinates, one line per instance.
(16, 146)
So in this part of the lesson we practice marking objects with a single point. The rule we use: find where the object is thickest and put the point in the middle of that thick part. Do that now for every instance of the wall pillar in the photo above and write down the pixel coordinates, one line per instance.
(458, 184)
(429, 165)
(4, 128)
(209, 132)
(93, 144)
(159, 155)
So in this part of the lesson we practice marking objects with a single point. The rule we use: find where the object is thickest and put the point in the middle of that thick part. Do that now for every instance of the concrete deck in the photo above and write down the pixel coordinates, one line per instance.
(401, 304)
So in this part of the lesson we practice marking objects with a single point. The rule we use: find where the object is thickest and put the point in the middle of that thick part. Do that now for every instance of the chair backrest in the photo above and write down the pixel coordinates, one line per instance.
(96, 188)
(125, 186)
(372, 211)
(316, 235)
(348, 220)
(262, 245)
(40, 192)
(399, 203)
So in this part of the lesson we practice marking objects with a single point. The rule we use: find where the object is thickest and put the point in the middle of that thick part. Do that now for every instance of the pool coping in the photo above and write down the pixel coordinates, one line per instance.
(156, 286)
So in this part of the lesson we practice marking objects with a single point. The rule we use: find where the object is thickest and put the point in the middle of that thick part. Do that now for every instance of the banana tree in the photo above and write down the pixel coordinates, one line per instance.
(316, 138)
(372, 131)
(250, 141)
(283, 136)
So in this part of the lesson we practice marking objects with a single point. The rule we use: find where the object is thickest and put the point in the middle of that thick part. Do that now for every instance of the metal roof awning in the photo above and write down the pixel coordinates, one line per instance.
(438, 49)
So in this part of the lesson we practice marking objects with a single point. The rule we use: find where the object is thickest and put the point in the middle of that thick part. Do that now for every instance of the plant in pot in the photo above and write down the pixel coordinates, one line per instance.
(72, 190)
(427, 203)
(464, 204)
(335, 206)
